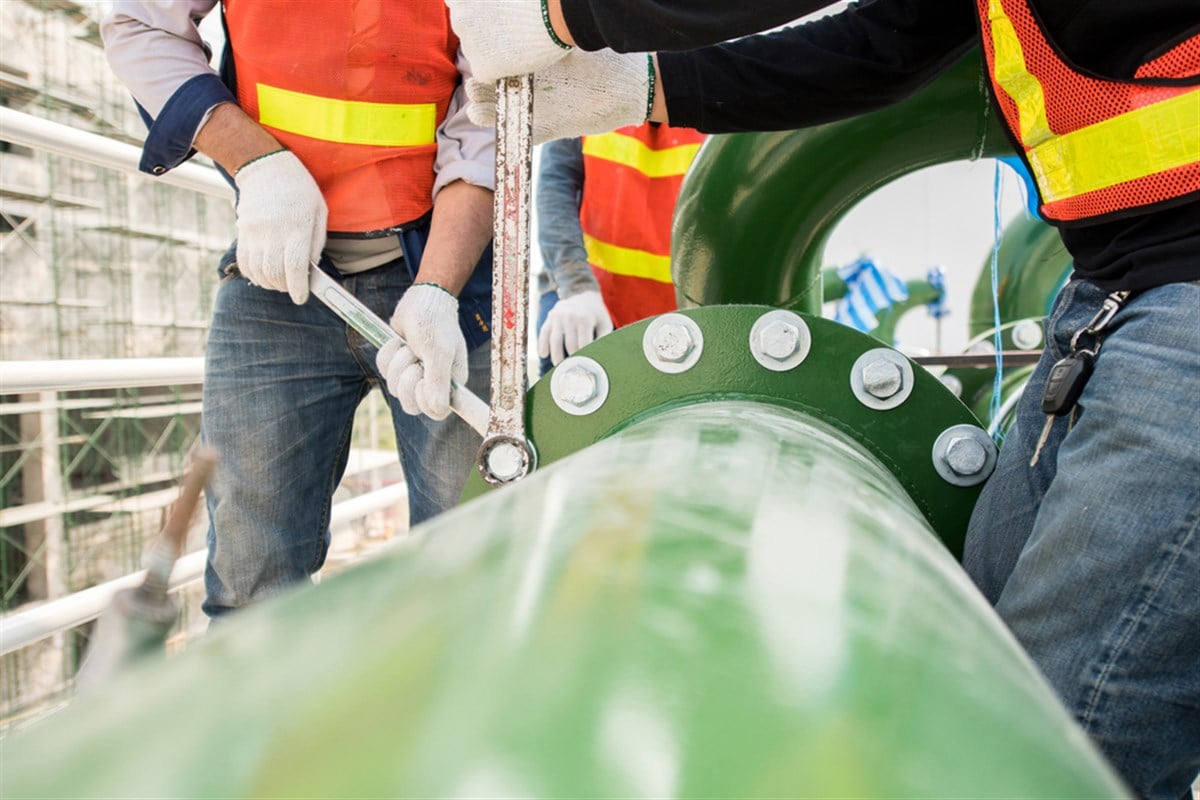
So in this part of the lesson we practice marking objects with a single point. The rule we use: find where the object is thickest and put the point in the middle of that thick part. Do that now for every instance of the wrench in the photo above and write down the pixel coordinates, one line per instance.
(463, 401)
(507, 455)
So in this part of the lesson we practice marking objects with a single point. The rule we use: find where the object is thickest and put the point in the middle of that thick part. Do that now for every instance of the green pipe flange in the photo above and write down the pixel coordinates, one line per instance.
(902, 438)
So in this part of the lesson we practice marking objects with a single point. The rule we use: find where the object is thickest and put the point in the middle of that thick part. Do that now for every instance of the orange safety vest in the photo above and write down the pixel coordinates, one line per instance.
(631, 179)
(1096, 147)
(356, 91)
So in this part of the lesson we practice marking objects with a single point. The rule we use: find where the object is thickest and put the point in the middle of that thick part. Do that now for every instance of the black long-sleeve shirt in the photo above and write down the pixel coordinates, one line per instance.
(879, 52)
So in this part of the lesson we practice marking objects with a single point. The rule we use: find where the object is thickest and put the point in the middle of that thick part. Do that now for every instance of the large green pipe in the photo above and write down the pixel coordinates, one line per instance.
(756, 209)
(1032, 264)
(921, 292)
(726, 599)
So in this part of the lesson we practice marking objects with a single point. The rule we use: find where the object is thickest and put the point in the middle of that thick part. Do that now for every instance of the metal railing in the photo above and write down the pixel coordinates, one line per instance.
(44, 383)
(27, 626)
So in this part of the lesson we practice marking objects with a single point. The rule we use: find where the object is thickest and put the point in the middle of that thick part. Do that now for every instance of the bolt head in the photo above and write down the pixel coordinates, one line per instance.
(882, 378)
(576, 386)
(504, 461)
(965, 455)
(673, 342)
(953, 383)
(1027, 334)
(779, 340)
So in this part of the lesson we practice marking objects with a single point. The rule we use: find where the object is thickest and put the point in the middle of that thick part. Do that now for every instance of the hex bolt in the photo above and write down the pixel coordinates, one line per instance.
(673, 342)
(576, 386)
(953, 383)
(504, 461)
(882, 378)
(965, 455)
(1027, 334)
(779, 340)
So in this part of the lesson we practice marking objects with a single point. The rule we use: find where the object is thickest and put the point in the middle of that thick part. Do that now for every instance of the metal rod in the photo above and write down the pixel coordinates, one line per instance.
(1011, 358)
(51, 137)
(358, 316)
(23, 628)
(68, 375)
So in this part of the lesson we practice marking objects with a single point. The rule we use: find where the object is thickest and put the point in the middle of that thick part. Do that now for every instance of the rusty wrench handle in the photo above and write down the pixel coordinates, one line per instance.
(463, 401)
(506, 454)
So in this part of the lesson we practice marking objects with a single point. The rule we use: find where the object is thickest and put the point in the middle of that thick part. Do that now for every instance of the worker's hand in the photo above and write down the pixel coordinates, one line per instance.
(572, 323)
(419, 371)
(504, 37)
(581, 94)
(281, 223)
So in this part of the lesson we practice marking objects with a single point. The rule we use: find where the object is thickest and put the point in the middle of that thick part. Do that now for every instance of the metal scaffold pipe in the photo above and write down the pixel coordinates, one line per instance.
(63, 140)
(68, 375)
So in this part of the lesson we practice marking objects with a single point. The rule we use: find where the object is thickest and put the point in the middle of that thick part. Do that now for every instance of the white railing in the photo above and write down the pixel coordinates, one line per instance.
(69, 375)
(52, 137)
(23, 628)
(27, 626)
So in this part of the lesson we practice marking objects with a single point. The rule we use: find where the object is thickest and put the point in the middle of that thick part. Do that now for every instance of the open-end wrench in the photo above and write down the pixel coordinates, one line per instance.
(506, 454)
(463, 401)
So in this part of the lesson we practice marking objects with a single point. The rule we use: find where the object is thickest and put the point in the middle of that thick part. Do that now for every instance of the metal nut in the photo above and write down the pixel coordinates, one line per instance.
(576, 386)
(882, 378)
(779, 340)
(673, 342)
(504, 461)
(965, 455)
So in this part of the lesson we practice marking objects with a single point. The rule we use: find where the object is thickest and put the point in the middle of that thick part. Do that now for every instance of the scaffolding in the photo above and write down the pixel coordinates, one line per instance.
(96, 263)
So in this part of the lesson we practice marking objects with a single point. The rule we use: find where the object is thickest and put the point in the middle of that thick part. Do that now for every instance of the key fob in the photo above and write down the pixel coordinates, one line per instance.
(1066, 381)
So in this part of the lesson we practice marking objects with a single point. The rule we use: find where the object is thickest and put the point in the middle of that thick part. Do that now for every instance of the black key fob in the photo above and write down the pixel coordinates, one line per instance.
(1066, 382)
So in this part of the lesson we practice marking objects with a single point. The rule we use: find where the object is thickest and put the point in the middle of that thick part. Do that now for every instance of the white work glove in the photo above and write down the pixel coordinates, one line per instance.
(419, 371)
(572, 323)
(281, 219)
(580, 94)
(504, 37)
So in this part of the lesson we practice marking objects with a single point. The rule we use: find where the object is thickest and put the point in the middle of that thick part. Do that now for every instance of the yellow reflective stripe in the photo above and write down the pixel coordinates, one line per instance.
(347, 121)
(1138, 143)
(627, 261)
(634, 153)
(1010, 72)
(1135, 144)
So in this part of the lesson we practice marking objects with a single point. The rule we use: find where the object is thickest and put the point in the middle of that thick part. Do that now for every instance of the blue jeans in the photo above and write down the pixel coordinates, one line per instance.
(546, 303)
(281, 386)
(1092, 557)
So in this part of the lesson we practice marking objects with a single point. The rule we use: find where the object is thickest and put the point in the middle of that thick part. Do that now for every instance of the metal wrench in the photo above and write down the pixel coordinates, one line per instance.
(507, 455)
(463, 401)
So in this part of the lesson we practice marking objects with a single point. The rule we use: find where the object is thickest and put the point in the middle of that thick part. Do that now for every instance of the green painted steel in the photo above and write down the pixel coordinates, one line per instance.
(1031, 266)
(920, 293)
(902, 437)
(756, 209)
(724, 600)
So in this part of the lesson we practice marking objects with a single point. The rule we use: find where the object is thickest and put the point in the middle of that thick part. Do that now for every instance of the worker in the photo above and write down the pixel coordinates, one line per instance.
(605, 204)
(345, 133)
(1087, 536)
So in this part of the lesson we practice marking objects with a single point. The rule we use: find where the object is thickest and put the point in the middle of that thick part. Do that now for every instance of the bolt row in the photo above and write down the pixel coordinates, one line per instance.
(780, 340)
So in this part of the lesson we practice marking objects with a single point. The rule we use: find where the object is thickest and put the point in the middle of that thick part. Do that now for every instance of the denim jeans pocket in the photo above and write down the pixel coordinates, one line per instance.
(227, 268)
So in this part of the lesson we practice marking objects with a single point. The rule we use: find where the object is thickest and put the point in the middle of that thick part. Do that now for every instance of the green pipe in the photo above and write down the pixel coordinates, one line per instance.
(1031, 266)
(726, 599)
(755, 210)
(920, 293)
